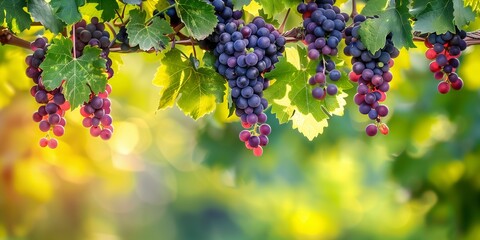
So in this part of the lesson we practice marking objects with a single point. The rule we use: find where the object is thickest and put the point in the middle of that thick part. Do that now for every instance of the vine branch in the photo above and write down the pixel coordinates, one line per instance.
(7, 37)
(293, 35)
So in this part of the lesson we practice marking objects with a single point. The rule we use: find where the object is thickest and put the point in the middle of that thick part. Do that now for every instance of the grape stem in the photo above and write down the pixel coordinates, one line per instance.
(193, 47)
(354, 9)
(157, 14)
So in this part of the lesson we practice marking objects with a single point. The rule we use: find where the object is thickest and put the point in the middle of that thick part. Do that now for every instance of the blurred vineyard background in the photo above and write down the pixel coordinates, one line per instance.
(165, 176)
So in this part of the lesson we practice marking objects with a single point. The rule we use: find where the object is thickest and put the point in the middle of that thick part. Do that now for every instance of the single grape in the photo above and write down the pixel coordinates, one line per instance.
(265, 129)
(371, 130)
(43, 142)
(52, 143)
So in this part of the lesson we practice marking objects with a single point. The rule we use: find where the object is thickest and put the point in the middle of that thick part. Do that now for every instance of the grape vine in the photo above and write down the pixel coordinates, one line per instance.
(74, 69)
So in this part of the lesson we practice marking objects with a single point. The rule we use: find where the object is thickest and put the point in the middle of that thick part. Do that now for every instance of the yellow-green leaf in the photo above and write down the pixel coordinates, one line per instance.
(197, 91)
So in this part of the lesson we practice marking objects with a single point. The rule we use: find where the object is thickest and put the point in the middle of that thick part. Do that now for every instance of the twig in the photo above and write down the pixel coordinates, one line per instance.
(282, 27)
(119, 16)
(7, 37)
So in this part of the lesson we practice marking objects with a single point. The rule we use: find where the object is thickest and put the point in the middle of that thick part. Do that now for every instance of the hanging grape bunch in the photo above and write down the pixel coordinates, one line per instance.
(444, 50)
(96, 111)
(371, 71)
(324, 24)
(50, 114)
(245, 53)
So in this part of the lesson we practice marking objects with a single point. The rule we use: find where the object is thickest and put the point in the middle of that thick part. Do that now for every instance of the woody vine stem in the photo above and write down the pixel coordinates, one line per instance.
(293, 35)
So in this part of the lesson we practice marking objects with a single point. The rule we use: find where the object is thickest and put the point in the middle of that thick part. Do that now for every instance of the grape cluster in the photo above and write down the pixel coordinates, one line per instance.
(225, 14)
(372, 73)
(50, 115)
(444, 50)
(244, 53)
(96, 111)
(96, 115)
(323, 25)
(93, 34)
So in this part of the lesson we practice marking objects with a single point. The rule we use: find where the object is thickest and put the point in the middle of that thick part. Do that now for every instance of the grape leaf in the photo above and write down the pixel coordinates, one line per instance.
(149, 6)
(291, 98)
(42, 12)
(271, 8)
(437, 17)
(82, 75)
(418, 6)
(107, 7)
(147, 36)
(462, 15)
(474, 4)
(13, 10)
(196, 91)
(392, 18)
(238, 4)
(68, 11)
(198, 16)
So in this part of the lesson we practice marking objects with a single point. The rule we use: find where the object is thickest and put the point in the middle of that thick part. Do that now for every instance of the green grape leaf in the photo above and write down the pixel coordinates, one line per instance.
(268, 18)
(418, 6)
(107, 7)
(462, 15)
(196, 91)
(68, 11)
(392, 19)
(474, 4)
(271, 8)
(238, 4)
(42, 12)
(198, 16)
(436, 17)
(208, 59)
(147, 36)
(13, 13)
(82, 75)
(291, 98)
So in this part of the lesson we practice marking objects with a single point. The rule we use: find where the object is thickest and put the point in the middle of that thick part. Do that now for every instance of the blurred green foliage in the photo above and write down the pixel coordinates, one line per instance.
(165, 176)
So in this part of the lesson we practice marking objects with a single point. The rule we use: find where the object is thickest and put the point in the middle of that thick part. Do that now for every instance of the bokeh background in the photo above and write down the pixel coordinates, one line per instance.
(165, 176)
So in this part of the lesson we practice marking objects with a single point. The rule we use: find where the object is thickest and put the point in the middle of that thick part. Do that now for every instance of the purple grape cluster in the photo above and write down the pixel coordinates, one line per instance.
(225, 14)
(444, 50)
(96, 111)
(324, 24)
(97, 116)
(372, 73)
(50, 114)
(244, 53)
(93, 34)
